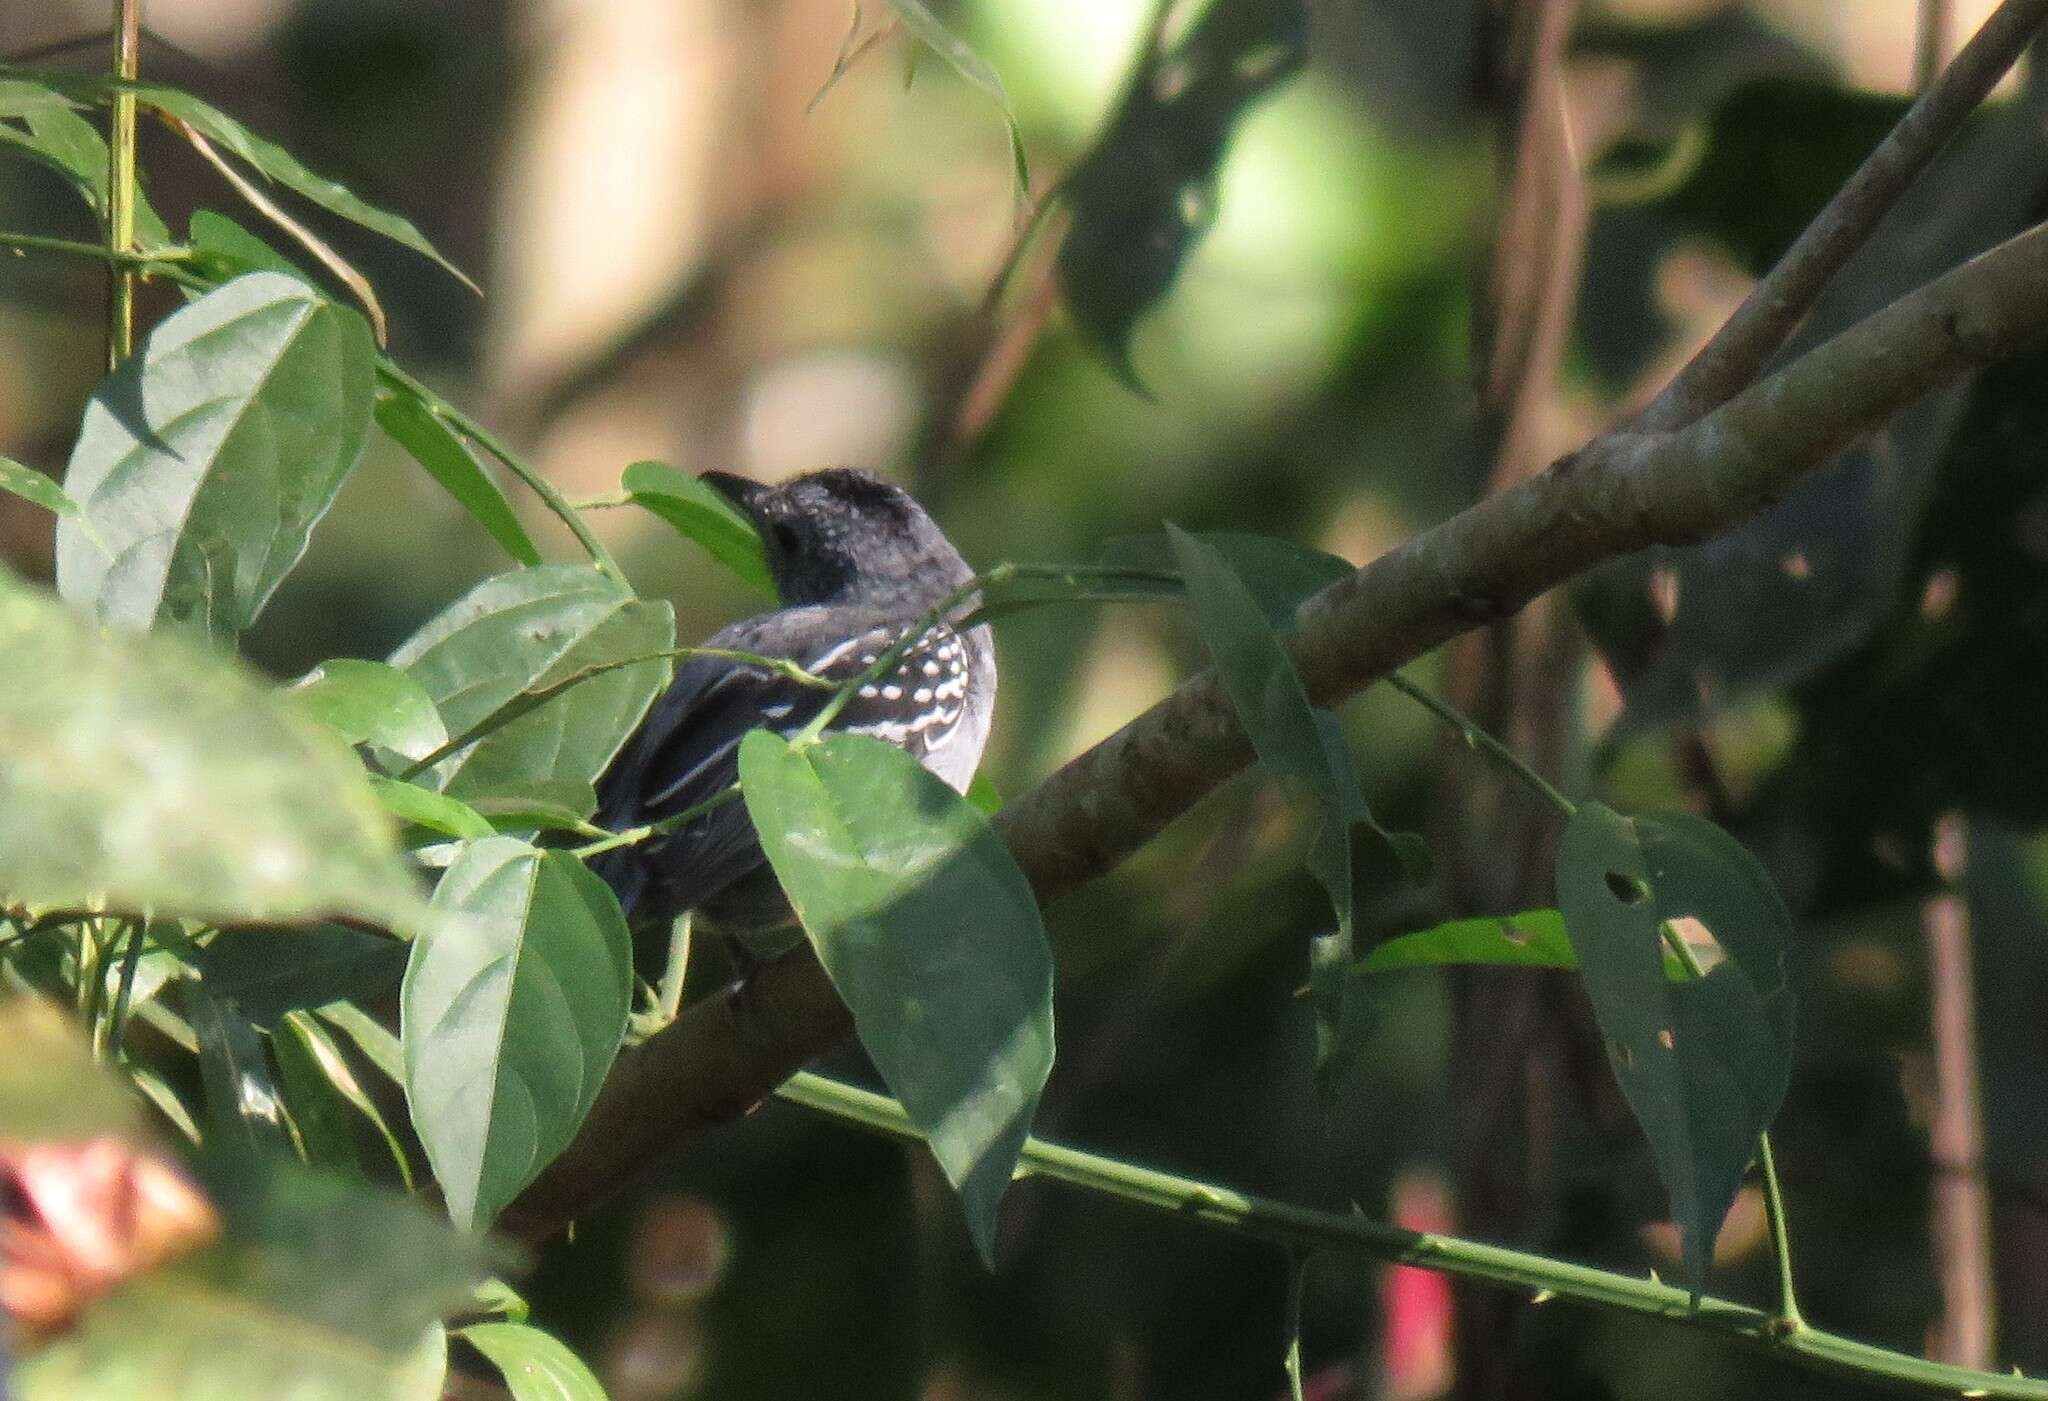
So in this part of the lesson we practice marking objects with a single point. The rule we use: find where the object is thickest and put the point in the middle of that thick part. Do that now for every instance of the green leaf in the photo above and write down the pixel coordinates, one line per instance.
(31, 485)
(315, 1112)
(1145, 194)
(513, 1008)
(54, 134)
(242, 1106)
(437, 812)
(536, 1367)
(283, 167)
(931, 935)
(448, 460)
(962, 58)
(269, 972)
(370, 1036)
(225, 249)
(50, 1086)
(525, 630)
(21, 97)
(320, 1290)
(150, 774)
(1703, 1063)
(370, 703)
(701, 514)
(206, 460)
(1300, 745)
(327, 1058)
(1532, 939)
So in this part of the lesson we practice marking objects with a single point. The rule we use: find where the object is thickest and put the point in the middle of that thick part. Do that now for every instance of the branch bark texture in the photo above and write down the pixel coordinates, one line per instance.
(1621, 493)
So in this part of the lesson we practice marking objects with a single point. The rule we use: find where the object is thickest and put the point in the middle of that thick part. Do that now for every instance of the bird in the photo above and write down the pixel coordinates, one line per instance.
(857, 565)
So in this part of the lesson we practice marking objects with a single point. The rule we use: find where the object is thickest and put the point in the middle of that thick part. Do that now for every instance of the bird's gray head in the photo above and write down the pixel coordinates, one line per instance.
(845, 536)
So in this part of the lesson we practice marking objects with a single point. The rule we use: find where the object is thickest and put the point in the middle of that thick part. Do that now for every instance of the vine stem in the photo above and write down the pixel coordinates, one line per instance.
(513, 462)
(121, 183)
(1306, 1228)
(146, 258)
(1477, 738)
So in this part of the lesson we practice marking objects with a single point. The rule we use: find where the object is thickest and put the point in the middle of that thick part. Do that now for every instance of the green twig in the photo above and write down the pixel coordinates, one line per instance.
(635, 835)
(140, 258)
(514, 463)
(1306, 1228)
(669, 997)
(121, 183)
(1479, 739)
(131, 959)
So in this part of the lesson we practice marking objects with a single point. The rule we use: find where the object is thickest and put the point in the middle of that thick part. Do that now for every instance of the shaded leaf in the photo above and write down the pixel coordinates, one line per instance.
(1146, 192)
(321, 1290)
(880, 859)
(269, 972)
(448, 460)
(376, 1041)
(1532, 939)
(961, 57)
(327, 1058)
(148, 773)
(315, 1112)
(242, 1105)
(31, 485)
(1704, 1063)
(366, 702)
(525, 630)
(57, 136)
(536, 1366)
(206, 460)
(701, 513)
(513, 1008)
(50, 1086)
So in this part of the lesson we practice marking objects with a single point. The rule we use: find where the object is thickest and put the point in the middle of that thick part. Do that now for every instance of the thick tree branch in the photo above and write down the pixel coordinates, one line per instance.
(1621, 493)
(1775, 307)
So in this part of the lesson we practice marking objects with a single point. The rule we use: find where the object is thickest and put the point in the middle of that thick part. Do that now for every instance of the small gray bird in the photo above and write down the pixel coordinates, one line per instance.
(858, 564)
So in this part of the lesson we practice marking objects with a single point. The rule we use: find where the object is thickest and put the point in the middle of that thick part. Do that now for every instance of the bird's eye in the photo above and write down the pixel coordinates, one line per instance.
(783, 536)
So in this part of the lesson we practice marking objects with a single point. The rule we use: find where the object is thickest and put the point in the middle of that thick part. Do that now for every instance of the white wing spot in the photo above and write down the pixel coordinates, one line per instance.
(892, 693)
(922, 695)
(867, 693)
(931, 668)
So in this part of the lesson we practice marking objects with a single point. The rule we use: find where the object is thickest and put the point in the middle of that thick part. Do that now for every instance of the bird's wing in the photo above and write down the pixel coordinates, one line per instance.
(687, 752)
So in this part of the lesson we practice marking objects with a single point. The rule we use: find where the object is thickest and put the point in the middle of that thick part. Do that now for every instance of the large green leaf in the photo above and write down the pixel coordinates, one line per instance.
(514, 1005)
(525, 630)
(1704, 1063)
(702, 514)
(448, 460)
(206, 460)
(147, 773)
(536, 1366)
(320, 1290)
(269, 972)
(931, 935)
(1301, 745)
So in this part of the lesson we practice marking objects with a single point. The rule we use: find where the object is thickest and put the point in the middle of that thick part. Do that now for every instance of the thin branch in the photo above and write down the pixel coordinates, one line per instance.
(121, 184)
(142, 259)
(1930, 41)
(1775, 307)
(1305, 1228)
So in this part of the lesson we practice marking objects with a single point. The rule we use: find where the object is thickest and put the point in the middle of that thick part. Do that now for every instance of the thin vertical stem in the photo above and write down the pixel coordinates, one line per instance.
(1931, 42)
(121, 184)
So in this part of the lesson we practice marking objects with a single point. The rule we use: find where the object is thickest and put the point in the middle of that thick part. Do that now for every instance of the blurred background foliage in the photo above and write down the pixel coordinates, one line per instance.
(687, 260)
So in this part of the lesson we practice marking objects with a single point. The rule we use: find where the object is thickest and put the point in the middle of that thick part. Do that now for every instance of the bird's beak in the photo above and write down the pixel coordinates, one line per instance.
(743, 492)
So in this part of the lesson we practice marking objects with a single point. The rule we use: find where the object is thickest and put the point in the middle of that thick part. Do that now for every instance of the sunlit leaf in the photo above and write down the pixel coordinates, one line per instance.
(408, 802)
(448, 460)
(701, 513)
(147, 773)
(522, 631)
(880, 859)
(1703, 1063)
(1532, 939)
(31, 485)
(536, 1367)
(325, 1056)
(225, 249)
(513, 1008)
(206, 460)
(320, 1120)
(366, 702)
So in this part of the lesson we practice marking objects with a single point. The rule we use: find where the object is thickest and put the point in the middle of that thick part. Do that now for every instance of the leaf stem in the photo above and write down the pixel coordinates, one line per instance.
(131, 959)
(131, 258)
(1306, 1228)
(121, 183)
(1479, 739)
(518, 466)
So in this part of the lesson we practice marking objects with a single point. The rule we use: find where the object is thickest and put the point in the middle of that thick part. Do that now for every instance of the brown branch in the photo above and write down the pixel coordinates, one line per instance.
(1619, 494)
(1776, 306)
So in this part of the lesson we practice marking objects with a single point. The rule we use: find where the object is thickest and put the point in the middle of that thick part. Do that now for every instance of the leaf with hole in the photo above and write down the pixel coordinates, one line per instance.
(514, 1006)
(535, 1365)
(700, 513)
(152, 775)
(931, 935)
(448, 460)
(205, 461)
(517, 634)
(1704, 1063)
